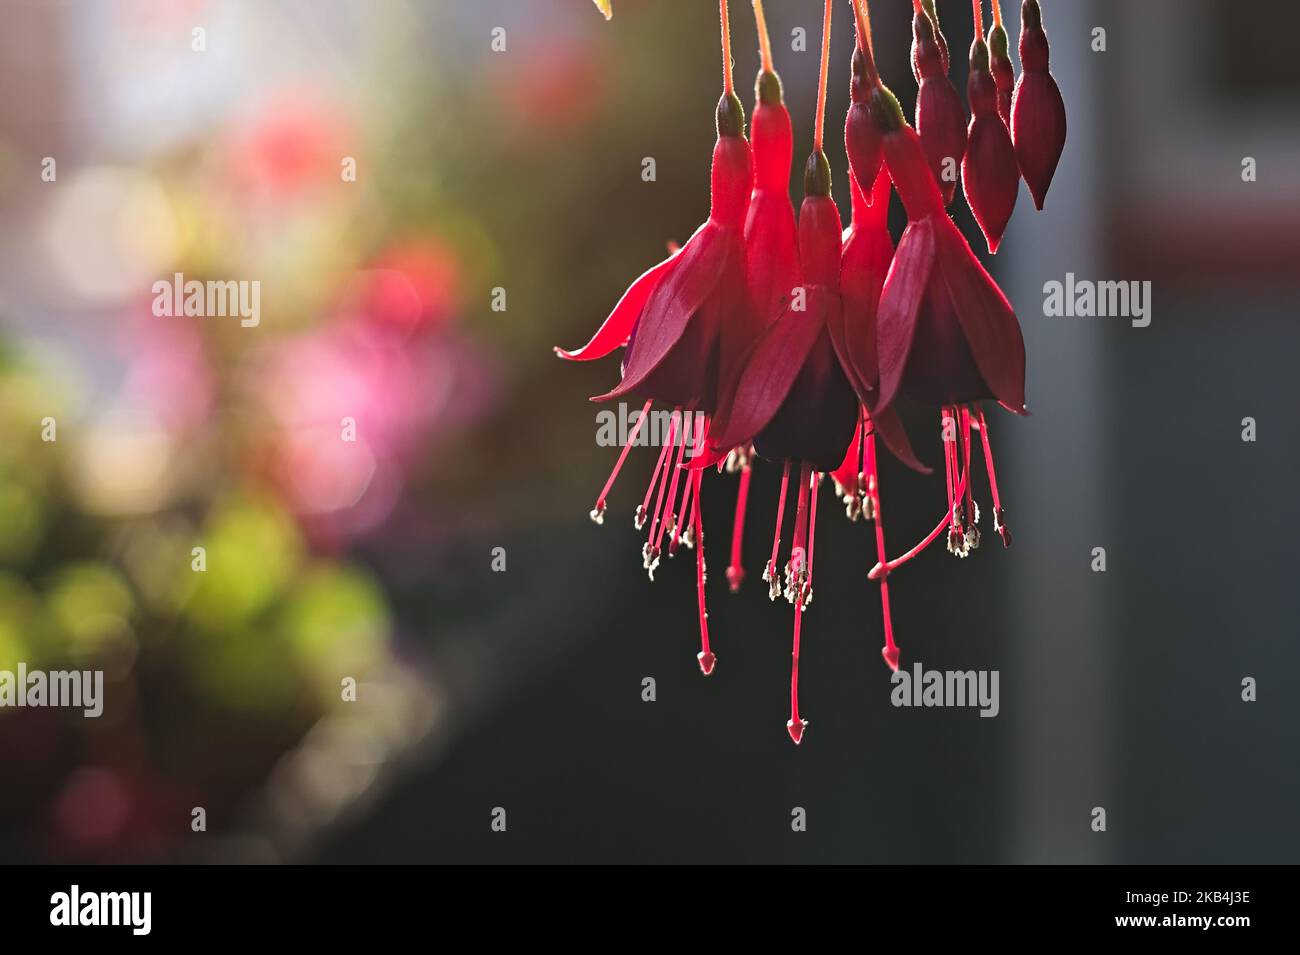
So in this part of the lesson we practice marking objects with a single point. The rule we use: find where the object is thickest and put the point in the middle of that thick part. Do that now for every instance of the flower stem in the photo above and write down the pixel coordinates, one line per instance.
(821, 86)
(726, 46)
(979, 18)
(997, 13)
(764, 42)
(862, 21)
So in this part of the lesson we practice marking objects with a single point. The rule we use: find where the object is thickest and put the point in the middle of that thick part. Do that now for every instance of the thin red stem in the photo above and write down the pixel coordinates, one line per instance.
(997, 13)
(862, 24)
(979, 17)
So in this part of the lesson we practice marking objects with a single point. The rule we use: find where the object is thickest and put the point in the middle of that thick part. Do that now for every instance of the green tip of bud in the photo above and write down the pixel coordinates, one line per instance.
(1031, 15)
(979, 56)
(731, 116)
(885, 111)
(998, 45)
(817, 175)
(928, 6)
(767, 88)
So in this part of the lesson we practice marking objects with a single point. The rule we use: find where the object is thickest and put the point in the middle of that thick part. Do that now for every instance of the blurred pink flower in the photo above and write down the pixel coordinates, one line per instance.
(290, 142)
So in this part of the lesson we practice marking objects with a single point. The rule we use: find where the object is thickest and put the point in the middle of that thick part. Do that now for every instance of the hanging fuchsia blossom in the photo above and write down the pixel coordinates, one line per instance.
(770, 241)
(1037, 110)
(683, 324)
(791, 341)
(989, 174)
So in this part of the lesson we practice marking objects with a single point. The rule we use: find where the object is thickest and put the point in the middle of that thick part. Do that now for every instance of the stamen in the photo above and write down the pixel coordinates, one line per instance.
(955, 535)
(769, 572)
(972, 538)
(886, 567)
(668, 521)
(650, 551)
(735, 571)
(890, 650)
(999, 515)
(598, 512)
(812, 533)
(796, 569)
(643, 512)
(682, 526)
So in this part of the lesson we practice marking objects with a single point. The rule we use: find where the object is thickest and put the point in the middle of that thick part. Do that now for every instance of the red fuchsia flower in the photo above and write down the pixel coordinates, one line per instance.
(684, 323)
(770, 239)
(799, 398)
(946, 334)
(1037, 110)
(940, 117)
(989, 174)
(1004, 73)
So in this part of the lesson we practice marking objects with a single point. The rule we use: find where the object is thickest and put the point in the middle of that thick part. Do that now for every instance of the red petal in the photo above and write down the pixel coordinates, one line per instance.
(700, 265)
(771, 370)
(900, 303)
(987, 319)
(618, 326)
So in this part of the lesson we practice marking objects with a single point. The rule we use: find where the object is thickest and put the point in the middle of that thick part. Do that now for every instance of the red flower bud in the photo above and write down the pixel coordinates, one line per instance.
(989, 173)
(861, 137)
(940, 116)
(1004, 73)
(1037, 110)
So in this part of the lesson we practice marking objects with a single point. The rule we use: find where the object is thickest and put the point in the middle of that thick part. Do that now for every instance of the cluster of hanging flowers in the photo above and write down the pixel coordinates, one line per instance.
(789, 340)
